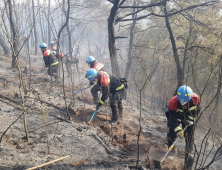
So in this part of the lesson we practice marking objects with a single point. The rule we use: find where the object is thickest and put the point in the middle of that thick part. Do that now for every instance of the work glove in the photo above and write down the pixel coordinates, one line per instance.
(189, 122)
(98, 106)
(179, 134)
(90, 84)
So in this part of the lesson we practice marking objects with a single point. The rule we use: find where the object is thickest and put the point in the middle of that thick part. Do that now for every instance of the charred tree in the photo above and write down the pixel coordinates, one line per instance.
(174, 48)
(67, 13)
(14, 33)
(70, 41)
(4, 46)
(129, 55)
(49, 27)
(111, 39)
(185, 53)
(154, 70)
(35, 33)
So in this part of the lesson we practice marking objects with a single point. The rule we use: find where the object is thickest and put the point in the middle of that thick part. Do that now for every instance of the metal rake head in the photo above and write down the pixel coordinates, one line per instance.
(156, 164)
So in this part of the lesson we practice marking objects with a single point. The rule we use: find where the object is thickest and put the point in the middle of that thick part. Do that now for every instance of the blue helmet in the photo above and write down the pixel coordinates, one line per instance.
(43, 45)
(51, 42)
(184, 94)
(91, 74)
(90, 59)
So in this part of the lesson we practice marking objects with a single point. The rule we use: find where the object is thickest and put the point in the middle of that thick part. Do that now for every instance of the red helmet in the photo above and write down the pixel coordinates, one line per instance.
(60, 55)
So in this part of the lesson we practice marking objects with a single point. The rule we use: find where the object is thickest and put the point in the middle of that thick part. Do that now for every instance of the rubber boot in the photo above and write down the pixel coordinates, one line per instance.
(120, 114)
(114, 118)
(189, 160)
(57, 79)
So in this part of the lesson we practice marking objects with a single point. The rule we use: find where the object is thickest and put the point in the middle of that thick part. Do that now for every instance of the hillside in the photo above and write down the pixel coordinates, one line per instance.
(52, 135)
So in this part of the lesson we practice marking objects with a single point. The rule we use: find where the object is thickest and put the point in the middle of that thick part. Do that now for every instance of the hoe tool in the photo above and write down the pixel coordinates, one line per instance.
(158, 163)
(89, 122)
(79, 91)
(40, 71)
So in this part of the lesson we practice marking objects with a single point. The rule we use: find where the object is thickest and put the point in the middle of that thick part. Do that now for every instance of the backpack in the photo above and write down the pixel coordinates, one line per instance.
(124, 82)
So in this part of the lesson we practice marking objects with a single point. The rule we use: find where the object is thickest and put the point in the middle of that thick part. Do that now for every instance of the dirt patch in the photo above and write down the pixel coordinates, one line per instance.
(122, 135)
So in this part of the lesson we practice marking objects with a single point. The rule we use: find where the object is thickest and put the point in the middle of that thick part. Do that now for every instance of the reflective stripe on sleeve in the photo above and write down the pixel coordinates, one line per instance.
(178, 110)
(193, 108)
(178, 128)
(99, 67)
(101, 102)
(120, 87)
(191, 117)
(53, 64)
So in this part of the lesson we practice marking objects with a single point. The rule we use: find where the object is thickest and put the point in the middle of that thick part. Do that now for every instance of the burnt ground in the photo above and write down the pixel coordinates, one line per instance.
(52, 134)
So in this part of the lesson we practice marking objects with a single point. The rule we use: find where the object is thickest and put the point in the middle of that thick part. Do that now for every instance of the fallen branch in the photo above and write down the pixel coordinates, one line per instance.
(16, 106)
(48, 163)
(108, 150)
(47, 103)
(9, 127)
(12, 100)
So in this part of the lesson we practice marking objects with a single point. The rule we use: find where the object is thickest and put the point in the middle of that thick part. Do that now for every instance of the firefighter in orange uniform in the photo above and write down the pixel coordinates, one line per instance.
(50, 61)
(59, 56)
(99, 67)
(111, 87)
(182, 111)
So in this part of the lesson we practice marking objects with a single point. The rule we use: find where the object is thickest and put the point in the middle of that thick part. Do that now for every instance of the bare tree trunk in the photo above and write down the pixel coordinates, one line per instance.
(15, 12)
(63, 39)
(35, 33)
(49, 27)
(175, 53)
(185, 53)
(31, 39)
(129, 55)
(15, 52)
(69, 57)
(89, 49)
(154, 70)
(67, 13)
(14, 33)
(42, 30)
(70, 41)
(3, 44)
(218, 96)
(16, 21)
(111, 41)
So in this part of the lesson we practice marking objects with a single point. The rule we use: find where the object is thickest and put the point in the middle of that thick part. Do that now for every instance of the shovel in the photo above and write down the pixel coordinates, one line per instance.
(157, 163)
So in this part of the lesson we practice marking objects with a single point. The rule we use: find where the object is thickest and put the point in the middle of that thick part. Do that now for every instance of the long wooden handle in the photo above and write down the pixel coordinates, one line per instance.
(79, 91)
(41, 70)
(48, 163)
(92, 117)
